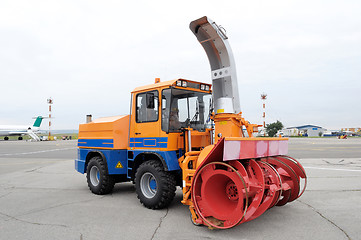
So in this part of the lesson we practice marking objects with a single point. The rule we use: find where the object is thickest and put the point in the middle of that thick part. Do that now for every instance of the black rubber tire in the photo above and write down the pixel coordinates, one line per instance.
(106, 182)
(166, 185)
(6, 138)
(20, 138)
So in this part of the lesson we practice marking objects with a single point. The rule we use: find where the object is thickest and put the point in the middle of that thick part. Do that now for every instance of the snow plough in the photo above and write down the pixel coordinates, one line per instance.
(191, 134)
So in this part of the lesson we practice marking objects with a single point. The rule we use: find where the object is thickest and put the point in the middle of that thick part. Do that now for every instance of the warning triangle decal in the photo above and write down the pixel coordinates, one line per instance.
(119, 165)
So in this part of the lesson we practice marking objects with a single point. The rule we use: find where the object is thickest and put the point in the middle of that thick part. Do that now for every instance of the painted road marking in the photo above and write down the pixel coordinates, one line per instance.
(24, 163)
(334, 169)
(43, 151)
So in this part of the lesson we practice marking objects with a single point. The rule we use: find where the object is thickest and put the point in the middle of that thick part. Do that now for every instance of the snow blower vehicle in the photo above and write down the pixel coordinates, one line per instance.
(193, 135)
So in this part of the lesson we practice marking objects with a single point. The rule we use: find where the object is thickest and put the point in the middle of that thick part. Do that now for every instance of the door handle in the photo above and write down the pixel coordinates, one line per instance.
(137, 133)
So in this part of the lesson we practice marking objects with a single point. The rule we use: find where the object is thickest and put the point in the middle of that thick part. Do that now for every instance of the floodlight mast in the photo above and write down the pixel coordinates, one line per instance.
(50, 102)
(264, 97)
(214, 40)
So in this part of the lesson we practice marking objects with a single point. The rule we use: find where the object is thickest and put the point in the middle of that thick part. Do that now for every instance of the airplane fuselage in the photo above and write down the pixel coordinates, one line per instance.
(19, 130)
(16, 130)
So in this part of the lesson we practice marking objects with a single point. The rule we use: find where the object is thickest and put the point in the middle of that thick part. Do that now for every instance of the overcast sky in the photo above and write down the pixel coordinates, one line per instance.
(89, 55)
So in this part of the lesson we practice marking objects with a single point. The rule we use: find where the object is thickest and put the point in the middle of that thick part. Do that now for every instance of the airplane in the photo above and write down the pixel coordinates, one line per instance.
(20, 130)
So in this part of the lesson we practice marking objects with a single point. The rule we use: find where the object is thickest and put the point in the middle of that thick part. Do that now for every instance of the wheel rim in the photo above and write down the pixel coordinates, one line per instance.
(94, 176)
(148, 185)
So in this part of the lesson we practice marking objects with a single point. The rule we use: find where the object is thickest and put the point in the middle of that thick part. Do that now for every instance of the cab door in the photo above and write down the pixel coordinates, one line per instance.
(145, 123)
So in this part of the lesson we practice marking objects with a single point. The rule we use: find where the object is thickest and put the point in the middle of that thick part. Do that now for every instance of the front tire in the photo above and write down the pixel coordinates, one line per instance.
(99, 181)
(154, 186)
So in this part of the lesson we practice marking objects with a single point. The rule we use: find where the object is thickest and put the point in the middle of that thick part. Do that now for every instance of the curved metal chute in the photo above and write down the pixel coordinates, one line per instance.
(224, 78)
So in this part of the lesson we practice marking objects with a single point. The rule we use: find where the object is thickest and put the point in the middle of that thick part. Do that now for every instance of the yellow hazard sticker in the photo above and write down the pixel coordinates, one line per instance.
(220, 111)
(119, 165)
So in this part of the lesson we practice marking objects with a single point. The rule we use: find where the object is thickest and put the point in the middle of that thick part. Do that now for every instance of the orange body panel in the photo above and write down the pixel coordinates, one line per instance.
(231, 125)
(115, 128)
(227, 127)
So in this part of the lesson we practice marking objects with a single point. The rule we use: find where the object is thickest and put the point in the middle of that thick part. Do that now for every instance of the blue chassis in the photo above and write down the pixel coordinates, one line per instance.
(113, 157)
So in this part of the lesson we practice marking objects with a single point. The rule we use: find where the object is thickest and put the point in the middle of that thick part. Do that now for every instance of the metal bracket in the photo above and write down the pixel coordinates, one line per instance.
(220, 73)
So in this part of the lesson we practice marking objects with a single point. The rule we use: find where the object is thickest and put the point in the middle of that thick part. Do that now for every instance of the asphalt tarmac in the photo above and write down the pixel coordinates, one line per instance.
(43, 197)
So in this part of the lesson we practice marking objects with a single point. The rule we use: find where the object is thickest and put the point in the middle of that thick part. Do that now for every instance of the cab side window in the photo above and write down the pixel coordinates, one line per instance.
(147, 107)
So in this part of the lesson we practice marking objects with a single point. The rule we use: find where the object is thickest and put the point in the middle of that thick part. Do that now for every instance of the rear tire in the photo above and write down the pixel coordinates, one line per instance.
(154, 186)
(99, 181)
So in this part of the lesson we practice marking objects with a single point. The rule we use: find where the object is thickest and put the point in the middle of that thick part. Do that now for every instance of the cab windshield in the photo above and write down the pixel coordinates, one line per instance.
(184, 108)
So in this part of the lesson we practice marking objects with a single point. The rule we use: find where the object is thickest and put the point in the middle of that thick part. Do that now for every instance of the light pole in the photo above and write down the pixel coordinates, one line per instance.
(264, 97)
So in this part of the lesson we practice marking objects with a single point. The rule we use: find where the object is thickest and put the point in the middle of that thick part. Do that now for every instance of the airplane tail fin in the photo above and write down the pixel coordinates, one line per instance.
(38, 121)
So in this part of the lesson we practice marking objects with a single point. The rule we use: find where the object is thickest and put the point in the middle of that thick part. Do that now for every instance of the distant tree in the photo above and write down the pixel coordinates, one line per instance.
(273, 128)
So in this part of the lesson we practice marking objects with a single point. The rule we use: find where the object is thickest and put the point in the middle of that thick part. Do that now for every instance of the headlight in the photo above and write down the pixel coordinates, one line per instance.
(184, 84)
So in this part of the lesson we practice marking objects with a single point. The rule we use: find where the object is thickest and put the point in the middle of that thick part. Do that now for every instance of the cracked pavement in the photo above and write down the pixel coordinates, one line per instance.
(43, 197)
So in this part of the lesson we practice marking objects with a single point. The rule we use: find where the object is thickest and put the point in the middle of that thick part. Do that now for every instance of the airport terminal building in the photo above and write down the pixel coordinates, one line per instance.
(304, 130)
